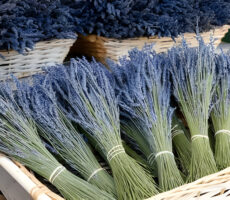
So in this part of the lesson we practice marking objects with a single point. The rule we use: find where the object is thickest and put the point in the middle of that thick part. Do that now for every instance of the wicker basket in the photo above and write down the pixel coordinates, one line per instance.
(215, 187)
(45, 53)
(102, 48)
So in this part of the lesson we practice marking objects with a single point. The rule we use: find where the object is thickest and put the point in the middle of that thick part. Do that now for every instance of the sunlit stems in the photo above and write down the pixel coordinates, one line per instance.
(131, 180)
(222, 149)
(76, 152)
(181, 145)
(220, 114)
(222, 140)
(202, 160)
(169, 176)
(132, 153)
(132, 130)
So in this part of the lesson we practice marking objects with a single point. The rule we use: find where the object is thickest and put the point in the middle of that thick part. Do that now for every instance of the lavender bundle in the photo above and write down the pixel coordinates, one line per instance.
(127, 19)
(193, 74)
(22, 23)
(39, 103)
(133, 130)
(25, 22)
(143, 88)
(88, 99)
(19, 140)
(220, 113)
(131, 152)
(181, 144)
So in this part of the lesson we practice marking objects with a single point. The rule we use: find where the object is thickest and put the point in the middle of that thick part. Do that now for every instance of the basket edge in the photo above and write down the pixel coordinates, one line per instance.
(31, 185)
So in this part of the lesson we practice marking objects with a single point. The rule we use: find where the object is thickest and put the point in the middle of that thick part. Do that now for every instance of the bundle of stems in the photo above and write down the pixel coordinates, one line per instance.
(19, 140)
(220, 113)
(129, 150)
(134, 154)
(181, 144)
(87, 98)
(193, 74)
(143, 87)
(133, 131)
(39, 102)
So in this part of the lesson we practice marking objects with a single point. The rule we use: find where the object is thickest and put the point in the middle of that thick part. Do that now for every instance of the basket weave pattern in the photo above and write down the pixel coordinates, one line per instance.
(107, 48)
(45, 53)
(215, 187)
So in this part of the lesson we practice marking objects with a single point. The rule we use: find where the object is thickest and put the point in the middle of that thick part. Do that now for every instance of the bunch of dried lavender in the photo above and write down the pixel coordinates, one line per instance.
(220, 113)
(86, 96)
(19, 140)
(143, 87)
(39, 102)
(193, 74)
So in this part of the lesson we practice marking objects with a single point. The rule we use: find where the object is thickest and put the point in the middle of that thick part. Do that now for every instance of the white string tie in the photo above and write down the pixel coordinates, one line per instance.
(114, 152)
(199, 136)
(94, 173)
(57, 171)
(227, 132)
(150, 157)
(153, 157)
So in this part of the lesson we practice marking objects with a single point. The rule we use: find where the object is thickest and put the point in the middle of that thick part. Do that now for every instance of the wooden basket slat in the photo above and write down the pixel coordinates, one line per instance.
(51, 194)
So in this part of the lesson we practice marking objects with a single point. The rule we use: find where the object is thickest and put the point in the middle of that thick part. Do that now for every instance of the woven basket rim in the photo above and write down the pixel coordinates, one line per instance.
(103, 48)
(45, 53)
(41, 42)
(218, 181)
